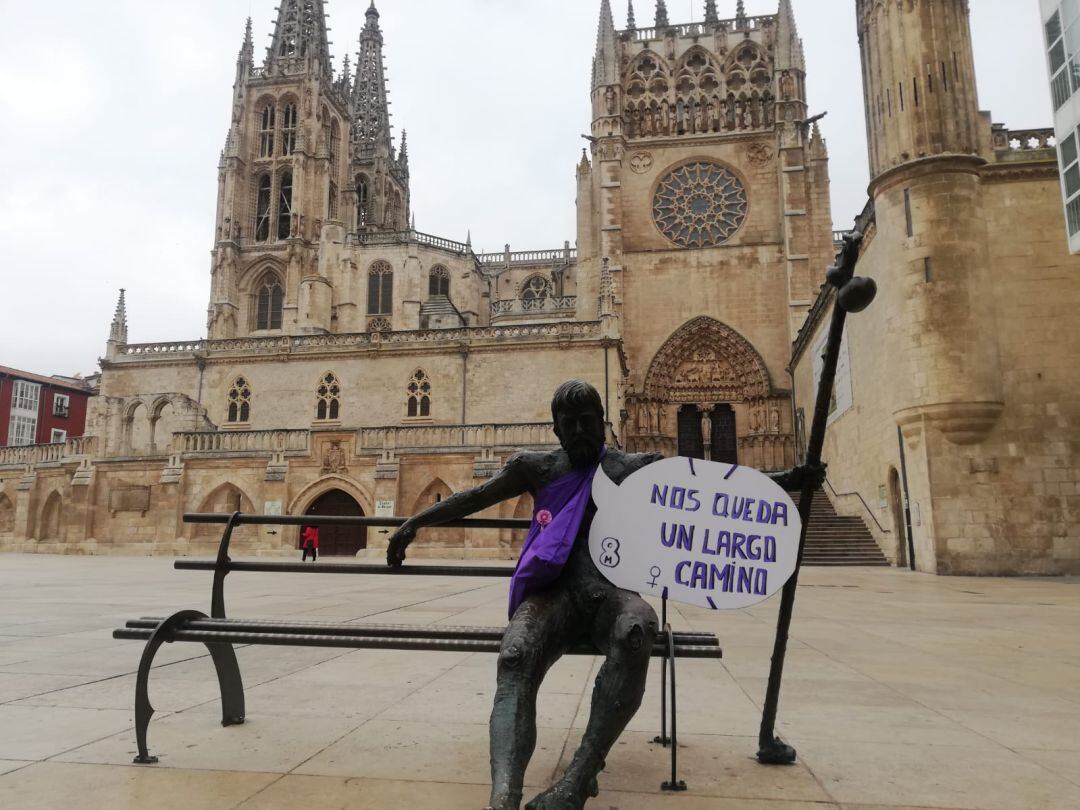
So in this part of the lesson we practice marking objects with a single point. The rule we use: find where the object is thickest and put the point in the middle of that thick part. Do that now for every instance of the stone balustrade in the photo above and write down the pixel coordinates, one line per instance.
(509, 258)
(48, 453)
(242, 442)
(472, 437)
(564, 305)
(701, 29)
(300, 343)
(1022, 140)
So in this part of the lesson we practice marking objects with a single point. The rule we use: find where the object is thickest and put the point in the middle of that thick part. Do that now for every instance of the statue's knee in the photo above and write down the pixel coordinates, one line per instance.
(517, 657)
(635, 631)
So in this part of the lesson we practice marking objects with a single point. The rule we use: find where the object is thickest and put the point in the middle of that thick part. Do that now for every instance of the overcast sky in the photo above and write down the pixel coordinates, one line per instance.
(113, 115)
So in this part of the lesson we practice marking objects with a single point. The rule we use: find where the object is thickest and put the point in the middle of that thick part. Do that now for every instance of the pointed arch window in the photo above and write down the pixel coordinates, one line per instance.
(266, 131)
(289, 126)
(534, 293)
(363, 199)
(439, 281)
(334, 146)
(262, 209)
(332, 202)
(285, 207)
(380, 289)
(240, 401)
(419, 394)
(271, 297)
(328, 398)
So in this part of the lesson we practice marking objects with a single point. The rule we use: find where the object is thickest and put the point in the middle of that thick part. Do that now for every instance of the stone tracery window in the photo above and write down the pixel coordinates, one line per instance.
(439, 281)
(285, 206)
(419, 394)
(380, 289)
(270, 298)
(240, 401)
(266, 131)
(534, 292)
(363, 200)
(700, 204)
(380, 325)
(262, 209)
(289, 125)
(328, 398)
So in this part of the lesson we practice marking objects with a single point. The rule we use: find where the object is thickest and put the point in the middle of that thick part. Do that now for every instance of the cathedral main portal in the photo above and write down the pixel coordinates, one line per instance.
(708, 394)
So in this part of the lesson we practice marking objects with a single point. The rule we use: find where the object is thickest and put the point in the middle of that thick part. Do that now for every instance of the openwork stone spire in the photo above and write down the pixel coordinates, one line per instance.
(711, 14)
(740, 14)
(661, 15)
(605, 71)
(371, 110)
(631, 23)
(789, 47)
(300, 33)
(118, 333)
(247, 50)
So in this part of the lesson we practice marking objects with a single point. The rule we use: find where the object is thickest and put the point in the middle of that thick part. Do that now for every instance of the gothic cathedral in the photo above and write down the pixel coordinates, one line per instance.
(355, 365)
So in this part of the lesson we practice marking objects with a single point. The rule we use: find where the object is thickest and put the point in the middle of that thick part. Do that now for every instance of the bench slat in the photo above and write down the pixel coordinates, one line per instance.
(374, 630)
(384, 642)
(500, 571)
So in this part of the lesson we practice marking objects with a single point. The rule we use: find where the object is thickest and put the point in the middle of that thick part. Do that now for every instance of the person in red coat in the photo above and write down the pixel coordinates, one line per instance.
(310, 536)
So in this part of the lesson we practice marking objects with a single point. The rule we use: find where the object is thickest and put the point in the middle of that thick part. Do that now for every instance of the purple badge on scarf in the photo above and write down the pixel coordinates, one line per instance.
(558, 513)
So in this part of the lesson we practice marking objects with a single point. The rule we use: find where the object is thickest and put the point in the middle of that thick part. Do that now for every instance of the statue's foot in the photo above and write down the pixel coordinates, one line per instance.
(565, 796)
(776, 753)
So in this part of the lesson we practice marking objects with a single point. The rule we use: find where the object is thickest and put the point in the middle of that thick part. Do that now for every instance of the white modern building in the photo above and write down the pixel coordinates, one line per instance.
(1061, 24)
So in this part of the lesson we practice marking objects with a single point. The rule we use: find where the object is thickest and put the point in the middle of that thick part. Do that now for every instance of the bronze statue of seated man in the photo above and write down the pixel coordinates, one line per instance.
(558, 598)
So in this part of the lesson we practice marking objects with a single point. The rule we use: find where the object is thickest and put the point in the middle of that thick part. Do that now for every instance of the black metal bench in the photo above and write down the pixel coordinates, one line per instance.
(219, 633)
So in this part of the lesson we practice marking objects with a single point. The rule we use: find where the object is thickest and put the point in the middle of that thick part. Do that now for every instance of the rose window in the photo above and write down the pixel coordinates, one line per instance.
(700, 205)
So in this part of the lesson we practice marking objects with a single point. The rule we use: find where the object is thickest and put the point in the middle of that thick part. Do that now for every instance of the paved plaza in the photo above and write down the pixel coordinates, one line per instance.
(903, 691)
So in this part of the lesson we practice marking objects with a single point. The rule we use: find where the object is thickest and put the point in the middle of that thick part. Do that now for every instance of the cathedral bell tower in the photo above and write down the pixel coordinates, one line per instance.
(923, 127)
(704, 225)
(280, 181)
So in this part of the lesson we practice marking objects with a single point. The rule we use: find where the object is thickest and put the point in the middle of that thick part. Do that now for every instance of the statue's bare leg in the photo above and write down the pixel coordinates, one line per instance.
(540, 631)
(624, 629)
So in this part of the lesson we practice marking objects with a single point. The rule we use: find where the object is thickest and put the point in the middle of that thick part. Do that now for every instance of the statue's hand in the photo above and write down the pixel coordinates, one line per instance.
(395, 554)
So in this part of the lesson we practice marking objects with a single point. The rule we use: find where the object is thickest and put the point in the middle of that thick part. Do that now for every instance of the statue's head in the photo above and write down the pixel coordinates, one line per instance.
(578, 414)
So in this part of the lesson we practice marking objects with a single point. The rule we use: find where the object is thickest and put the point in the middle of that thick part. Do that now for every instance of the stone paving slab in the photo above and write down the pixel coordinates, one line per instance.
(903, 691)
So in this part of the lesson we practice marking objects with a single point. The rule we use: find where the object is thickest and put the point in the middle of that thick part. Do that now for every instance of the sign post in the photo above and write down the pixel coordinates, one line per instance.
(853, 295)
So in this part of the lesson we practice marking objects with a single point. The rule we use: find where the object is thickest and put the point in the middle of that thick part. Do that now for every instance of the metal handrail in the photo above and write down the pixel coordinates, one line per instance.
(326, 520)
(865, 505)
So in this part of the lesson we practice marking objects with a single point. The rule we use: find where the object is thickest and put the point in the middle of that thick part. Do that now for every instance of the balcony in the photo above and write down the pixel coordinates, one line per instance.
(534, 309)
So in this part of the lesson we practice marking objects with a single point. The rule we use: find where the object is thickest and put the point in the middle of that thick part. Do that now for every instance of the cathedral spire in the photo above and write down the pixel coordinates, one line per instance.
(371, 132)
(300, 33)
(403, 154)
(740, 15)
(247, 50)
(631, 23)
(711, 14)
(789, 47)
(661, 15)
(604, 67)
(118, 333)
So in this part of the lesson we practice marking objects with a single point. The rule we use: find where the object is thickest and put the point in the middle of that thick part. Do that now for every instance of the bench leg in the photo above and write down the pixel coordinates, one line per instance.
(676, 784)
(228, 672)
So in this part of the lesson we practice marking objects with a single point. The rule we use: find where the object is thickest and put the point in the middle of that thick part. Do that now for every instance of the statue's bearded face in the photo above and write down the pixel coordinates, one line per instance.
(581, 433)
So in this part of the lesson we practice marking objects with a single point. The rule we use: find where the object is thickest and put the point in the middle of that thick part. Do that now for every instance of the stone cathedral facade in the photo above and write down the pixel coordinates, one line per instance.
(353, 365)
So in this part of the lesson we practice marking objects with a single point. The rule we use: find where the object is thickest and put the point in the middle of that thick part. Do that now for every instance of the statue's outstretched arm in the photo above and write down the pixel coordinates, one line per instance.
(510, 482)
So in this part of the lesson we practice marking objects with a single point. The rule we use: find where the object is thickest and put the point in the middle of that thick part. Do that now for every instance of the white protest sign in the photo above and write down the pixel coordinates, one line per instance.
(708, 534)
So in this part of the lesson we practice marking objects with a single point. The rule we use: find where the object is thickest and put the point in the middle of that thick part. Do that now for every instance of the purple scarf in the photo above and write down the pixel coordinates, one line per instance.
(547, 548)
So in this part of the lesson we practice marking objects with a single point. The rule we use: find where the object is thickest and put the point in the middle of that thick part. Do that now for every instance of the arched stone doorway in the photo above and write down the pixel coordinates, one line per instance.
(338, 541)
(896, 506)
(708, 394)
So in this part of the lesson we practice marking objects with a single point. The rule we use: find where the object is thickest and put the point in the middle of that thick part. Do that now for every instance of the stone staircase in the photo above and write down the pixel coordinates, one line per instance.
(835, 540)
(438, 312)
